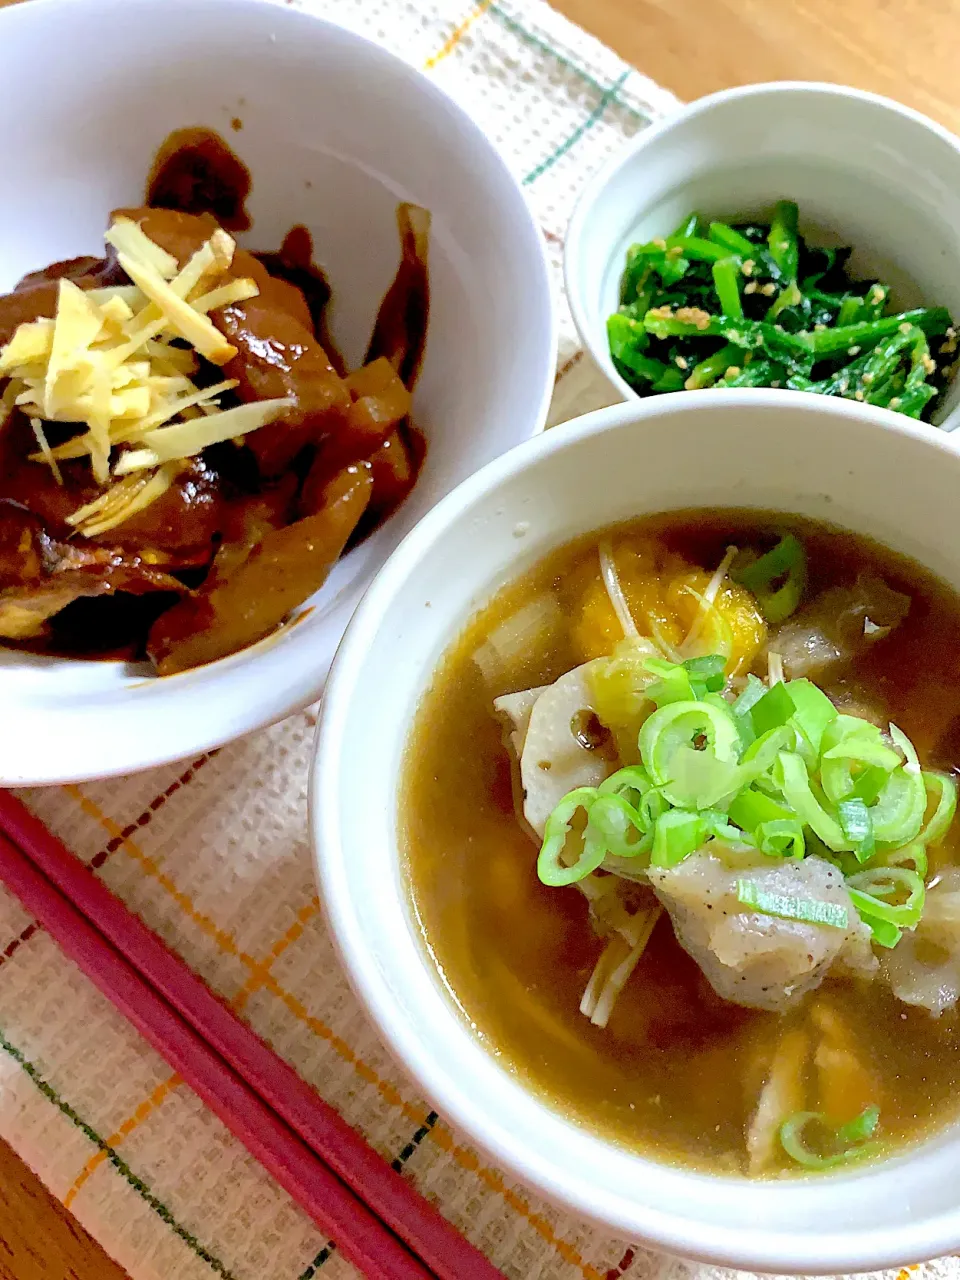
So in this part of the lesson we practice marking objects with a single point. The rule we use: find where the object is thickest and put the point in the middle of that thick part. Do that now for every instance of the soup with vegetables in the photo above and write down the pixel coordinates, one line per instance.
(678, 813)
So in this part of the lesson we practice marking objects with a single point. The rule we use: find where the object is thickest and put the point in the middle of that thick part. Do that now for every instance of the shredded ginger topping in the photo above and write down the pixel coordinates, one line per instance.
(120, 361)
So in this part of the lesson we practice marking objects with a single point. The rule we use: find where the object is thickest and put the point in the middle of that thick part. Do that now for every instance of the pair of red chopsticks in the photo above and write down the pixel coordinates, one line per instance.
(377, 1220)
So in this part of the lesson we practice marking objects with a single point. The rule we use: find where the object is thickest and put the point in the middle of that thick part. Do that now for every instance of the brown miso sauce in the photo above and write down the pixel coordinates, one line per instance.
(677, 1071)
(401, 328)
(194, 171)
(294, 263)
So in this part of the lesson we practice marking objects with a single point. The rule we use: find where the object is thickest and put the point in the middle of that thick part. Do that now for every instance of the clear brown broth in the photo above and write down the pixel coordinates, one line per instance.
(677, 1071)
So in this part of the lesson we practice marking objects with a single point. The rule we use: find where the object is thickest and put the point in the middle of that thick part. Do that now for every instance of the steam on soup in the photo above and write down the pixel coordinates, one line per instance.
(678, 812)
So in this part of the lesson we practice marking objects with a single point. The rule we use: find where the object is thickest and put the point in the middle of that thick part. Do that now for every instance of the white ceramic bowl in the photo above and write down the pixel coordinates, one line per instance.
(335, 132)
(867, 469)
(864, 170)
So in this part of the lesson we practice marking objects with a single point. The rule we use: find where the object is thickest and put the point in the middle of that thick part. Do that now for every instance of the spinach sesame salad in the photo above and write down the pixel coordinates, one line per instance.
(754, 305)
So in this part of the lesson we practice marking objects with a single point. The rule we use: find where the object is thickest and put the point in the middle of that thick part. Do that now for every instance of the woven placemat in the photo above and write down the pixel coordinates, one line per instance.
(212, 853)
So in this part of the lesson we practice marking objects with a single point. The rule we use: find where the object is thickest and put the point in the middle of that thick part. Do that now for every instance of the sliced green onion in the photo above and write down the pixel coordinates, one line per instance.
(862, 1128)
(945, 789)
(751, 807)
(869, 889)
(846, 727)
(719, 827)
(708, 671)
(619, 826)
(786, 564)
(780, 837)
(813, 710)
(851, 1139)
(752, 693)
(699, 779)
(884, 933)
(550, 867)
(674, 684)
(632, 783)
(676, 835)
(913, 856)
(772, 710)
(652, 807)
(912, 764)
(716, 700)
(898, 812)
(762, 752)
(857, 827)
(784, 907)
(677, 725)
(869, 784)
(799, 793)
(849, 741)
(725, 276)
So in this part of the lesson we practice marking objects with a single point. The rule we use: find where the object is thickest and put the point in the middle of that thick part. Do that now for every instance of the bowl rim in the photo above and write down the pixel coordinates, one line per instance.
(592, 193)
(288, 691)
(791, 1252)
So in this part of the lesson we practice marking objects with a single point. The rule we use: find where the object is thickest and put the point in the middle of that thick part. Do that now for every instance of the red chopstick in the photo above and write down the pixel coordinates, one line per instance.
(377, 1219)
(339, 1213)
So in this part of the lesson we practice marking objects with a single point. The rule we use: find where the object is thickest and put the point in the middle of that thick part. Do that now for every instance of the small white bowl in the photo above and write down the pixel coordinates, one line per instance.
(865, 171)
(335, 132)
(867, 470)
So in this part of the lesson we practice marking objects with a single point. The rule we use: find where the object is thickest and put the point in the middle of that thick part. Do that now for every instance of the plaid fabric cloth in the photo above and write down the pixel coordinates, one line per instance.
(212, 853)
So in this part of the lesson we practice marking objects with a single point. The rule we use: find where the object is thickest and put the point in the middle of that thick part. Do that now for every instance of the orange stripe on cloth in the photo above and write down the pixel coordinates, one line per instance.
(253, 983)
(261, 975)
(223, 940)
(133, 1121)
(457, 35)
(261, 972)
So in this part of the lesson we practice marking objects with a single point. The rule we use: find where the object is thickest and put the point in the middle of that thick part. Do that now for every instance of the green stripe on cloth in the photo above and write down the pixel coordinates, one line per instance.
(537, 42)
(121, 1166)
(609, 96)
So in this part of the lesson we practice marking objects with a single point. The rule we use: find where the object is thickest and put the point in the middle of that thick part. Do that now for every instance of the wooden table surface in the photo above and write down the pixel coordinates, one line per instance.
(901, 48)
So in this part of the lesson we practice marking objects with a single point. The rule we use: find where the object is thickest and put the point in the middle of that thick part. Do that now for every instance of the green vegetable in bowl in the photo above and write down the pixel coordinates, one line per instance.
(756, 306)
(779, 770)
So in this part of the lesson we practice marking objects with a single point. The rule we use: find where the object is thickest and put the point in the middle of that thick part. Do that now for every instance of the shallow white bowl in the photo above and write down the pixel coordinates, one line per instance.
(864, 170)
(335, 132)
(869, 470)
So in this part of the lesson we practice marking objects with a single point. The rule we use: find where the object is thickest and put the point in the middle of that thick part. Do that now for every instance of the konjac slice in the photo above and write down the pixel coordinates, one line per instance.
(380, 402)
(250, 601)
